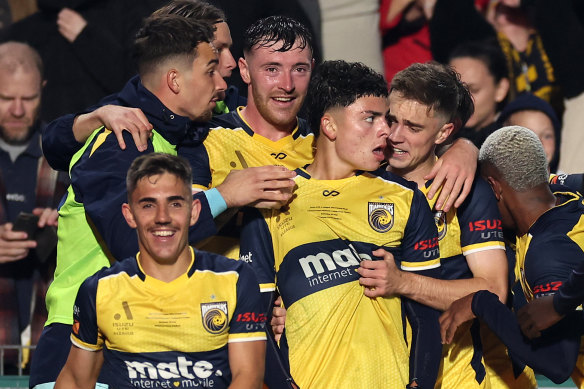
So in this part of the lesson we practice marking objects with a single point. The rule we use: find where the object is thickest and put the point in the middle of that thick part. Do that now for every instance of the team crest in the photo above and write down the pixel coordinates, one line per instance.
(214, 316)
(381, 216)
(440, 220)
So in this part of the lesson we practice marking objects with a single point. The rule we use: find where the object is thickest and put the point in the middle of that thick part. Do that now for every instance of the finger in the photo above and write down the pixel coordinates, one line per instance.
(447, 186)
(368, 282)
(443, 320)
(450, 331)
(120, 138)
(12, 258)
(449, 194)
(438, 175)
(464, 193)
(284, 183)
(44, 217)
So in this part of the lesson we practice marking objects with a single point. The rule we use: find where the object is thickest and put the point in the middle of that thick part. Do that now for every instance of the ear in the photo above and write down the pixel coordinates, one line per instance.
(496, 186)
(195, 211)
(444, 133)
(244, 70)
(173, 80)
(502, 89)
(328, 126)
(128, 215)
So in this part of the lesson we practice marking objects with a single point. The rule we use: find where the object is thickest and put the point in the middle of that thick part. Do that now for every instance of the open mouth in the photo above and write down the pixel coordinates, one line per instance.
(379, 153)
(163, 233)
(283, 99)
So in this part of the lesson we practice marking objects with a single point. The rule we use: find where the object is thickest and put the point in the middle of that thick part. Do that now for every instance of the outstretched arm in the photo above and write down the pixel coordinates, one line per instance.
(81, 369)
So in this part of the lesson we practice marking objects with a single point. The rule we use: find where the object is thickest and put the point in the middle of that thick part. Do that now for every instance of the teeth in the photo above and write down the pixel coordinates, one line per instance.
(284, 99)
(163, 233)
(396, 150)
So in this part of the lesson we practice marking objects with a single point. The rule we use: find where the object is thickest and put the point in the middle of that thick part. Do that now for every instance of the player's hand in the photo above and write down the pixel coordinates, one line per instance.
(119, 119)
(454, 172)
(260, 187)
(460, 311)
(538, 315)
(47, 216)
(70, 24)
(278, 319)
(380, 278)
(14, 245)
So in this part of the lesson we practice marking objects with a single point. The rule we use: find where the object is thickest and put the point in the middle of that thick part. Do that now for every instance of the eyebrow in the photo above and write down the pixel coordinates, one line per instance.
(214, 61)
(153, 200)
(3, 96)
(374, 113)
(406, 122)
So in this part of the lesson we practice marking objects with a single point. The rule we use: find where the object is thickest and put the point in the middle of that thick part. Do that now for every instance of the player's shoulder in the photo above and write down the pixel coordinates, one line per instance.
(394, 179)
(128, 266)
(227, 121)
(211, 262)
(303, 129)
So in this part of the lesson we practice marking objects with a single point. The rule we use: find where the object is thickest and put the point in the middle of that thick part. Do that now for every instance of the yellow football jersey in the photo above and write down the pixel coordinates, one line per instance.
(232, 144)
(175, 334)
(335, 336)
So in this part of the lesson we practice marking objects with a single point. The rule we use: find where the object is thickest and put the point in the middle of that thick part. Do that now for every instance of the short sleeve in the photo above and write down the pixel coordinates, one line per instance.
(85, 333)
(248, 321)
(420, 244)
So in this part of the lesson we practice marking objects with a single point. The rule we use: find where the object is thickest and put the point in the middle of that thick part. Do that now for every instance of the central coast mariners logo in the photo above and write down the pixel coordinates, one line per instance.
(381, 216)
(440, 220)
(214, 316)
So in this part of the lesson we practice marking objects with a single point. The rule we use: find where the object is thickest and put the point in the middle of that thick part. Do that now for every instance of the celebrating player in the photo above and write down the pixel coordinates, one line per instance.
(340, 216)
(170, 316)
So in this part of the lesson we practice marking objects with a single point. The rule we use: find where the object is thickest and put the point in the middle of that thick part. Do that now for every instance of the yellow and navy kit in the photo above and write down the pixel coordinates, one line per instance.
(175, 335)
(232, 144)
(546, 256)
(335, 336)
(474, 226)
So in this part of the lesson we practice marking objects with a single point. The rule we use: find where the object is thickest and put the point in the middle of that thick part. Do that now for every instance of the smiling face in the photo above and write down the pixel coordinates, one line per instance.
(200, 85)
(413, 136)
(161, 210)
(277, 84)
(358, 133)
(20, 98)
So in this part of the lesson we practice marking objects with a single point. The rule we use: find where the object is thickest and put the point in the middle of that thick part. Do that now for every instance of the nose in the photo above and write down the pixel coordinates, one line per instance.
(384, 129)
(287, 82)
(220, 83)
(162, 215)
(226, 63)
(395, 131)
(17, 108)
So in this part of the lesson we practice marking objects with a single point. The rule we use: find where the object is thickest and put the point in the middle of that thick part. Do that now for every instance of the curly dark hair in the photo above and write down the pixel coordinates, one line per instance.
(340, 84)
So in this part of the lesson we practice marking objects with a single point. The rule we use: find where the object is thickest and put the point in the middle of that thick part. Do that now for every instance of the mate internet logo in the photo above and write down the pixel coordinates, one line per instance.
(181, 373)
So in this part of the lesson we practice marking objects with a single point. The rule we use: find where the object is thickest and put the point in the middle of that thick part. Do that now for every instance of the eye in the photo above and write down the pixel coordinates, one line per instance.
(369, 119)
(147, 206)
(176, 204)
(271, 69)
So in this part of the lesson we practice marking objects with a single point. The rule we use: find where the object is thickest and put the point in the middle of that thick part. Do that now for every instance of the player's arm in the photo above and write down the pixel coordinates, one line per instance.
(81, 369)
(554, 355)
(246, 361)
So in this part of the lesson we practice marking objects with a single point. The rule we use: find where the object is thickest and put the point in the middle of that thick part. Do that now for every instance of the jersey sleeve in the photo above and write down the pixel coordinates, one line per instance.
(85, 333)
(198, 158)
(248, 321)
(257, 248)
(573, 181)
(480, 221)
(59, 144)
(549, 264)
(420, 243)
(554, 354)
(99, 182)
(571, 293)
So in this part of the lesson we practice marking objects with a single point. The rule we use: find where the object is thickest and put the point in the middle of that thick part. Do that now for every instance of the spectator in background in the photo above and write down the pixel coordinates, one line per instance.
(28, 183)
(350, 31)
(528, 66)
(482, 68)
(85, 45)
(531, 112)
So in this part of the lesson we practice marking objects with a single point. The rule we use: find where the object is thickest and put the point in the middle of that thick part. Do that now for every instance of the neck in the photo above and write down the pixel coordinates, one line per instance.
(528, 206)
(168, 270)
(262, 127)
(327, 165)
(416, 173)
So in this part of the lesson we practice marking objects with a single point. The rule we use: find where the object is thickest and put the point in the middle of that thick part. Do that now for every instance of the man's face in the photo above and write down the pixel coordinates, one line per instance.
(359, 132)
(414, 134)
(541, 124)
(277, 82)
(161, 211)
(201, 84)
(223, 44)
(20, 99)
(486, 93)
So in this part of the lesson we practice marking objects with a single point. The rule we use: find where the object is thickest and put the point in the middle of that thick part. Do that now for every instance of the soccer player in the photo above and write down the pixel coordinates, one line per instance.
(177, 84)
(341, 215)
(427, 104)
(549, 225)
(170, 316)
